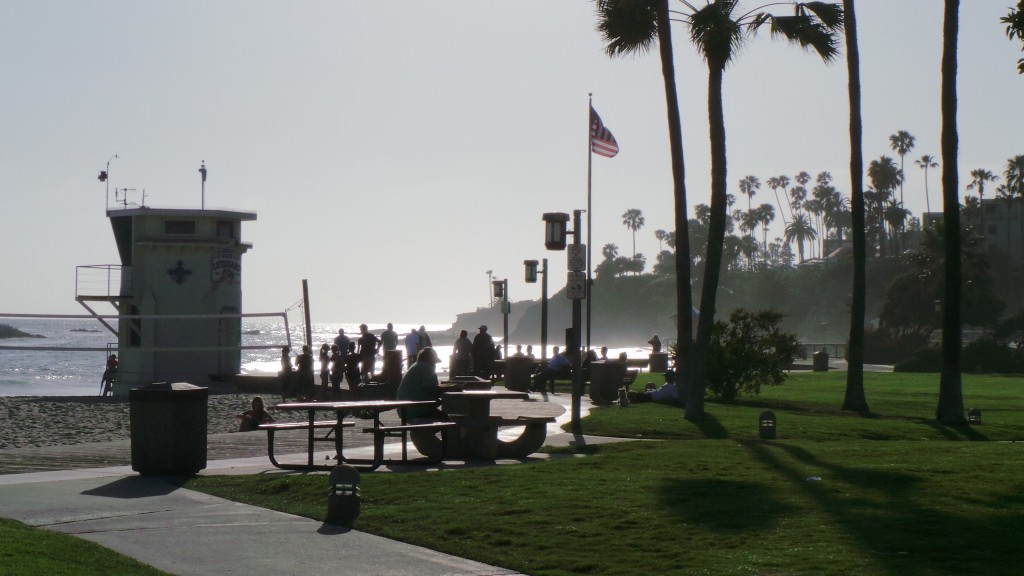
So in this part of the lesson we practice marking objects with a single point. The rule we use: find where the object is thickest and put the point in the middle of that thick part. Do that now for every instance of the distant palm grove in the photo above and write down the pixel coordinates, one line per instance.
(874, 218)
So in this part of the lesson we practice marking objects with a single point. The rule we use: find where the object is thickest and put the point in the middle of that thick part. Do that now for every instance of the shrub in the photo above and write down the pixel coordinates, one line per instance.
(748, 352)
(988, 355)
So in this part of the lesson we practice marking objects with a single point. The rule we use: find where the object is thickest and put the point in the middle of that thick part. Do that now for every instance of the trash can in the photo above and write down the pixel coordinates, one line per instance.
(658, 362)
(168, 428)
(820, 362)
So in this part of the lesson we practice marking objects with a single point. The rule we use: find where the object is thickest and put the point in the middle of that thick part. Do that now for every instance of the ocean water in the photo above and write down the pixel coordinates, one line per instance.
(69, 358)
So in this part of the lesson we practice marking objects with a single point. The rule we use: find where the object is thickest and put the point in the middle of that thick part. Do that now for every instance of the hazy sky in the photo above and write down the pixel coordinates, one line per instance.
(396, 151)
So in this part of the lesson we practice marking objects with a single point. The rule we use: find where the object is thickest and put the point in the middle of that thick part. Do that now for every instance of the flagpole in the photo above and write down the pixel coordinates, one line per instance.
(590, 162)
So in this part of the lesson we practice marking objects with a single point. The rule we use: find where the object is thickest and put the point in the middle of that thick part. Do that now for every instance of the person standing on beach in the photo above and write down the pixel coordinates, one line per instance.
(412, 347)
(337, 371)
(287, 373)
(463, 353)
(424, 338)
(483, 354)
(304, 374)
(352, 370)
(369, 345)
(109, 372)
(325, 370)
(389, 338)
(342, 340)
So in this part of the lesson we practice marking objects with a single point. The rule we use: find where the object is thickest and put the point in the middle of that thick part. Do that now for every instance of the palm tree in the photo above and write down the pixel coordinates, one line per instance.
(633, 219)
(775, 183)
(749, 186)
(631, 27)
(718, 34)
(660, 235)
(978, 178)
(765, 216)
(925, 162)
(884, 176)
(950, 408)
(901, 143)
(1014, 21)
(800, 230)
(855, 399)
(1014, 176)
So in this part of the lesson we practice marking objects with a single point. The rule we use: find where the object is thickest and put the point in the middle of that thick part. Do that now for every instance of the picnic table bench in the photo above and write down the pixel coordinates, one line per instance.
(329, 425)
(404, 430)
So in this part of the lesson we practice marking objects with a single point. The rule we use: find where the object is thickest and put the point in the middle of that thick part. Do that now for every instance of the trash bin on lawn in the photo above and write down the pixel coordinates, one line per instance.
(820, 362)
(168, 428)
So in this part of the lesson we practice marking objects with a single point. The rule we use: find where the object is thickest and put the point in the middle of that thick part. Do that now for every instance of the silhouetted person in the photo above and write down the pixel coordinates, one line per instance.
(483, 354)
(369, 344)
(304, 374)
(463, 353)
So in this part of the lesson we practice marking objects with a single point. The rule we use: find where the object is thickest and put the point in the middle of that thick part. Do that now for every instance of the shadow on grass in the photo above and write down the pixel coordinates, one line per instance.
(884, 517)
(751, 507)
(712, 428)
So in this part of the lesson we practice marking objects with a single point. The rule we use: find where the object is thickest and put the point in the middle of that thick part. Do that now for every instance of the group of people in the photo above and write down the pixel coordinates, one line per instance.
(346, 360)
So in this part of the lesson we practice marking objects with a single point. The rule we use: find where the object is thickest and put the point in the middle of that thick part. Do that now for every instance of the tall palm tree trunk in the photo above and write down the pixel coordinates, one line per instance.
(684, 296)
(716, 239)
(855, 399)
(950, 409)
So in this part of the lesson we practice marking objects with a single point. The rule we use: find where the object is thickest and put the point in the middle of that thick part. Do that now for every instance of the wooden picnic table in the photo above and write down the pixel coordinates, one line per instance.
(341, 409)
(477, 434)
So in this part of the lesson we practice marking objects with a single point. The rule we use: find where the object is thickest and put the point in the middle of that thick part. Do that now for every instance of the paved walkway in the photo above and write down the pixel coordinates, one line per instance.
(186, 532)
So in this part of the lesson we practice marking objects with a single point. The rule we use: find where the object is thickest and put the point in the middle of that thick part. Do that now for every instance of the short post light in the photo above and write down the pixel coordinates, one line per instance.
(766, 425)
(974, 416)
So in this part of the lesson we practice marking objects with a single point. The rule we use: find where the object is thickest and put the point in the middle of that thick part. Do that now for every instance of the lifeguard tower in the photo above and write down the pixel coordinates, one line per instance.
(177, 292)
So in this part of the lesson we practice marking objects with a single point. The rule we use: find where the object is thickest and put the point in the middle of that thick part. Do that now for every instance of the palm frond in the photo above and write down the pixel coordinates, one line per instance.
(809, 32)
(628, 26)
(830, 14)
(714, 32)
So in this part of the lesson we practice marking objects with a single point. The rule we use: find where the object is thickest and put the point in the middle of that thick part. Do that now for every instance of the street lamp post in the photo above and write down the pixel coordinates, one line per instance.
(105, 177)
(576, 288)
(501, 294)
(531, 278)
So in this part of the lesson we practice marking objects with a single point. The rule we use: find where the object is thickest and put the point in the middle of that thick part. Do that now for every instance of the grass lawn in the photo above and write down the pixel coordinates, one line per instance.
(27, 551)
(890, 492)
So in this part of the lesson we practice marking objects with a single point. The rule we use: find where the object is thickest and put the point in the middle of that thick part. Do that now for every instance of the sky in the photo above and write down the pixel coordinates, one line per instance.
(395, 152)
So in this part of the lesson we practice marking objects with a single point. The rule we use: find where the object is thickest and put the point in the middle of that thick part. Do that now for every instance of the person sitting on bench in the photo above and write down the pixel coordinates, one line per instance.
(558, 367)
(420, 383)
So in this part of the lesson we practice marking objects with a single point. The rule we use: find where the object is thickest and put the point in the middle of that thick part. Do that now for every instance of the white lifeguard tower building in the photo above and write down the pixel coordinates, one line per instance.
(177, 292)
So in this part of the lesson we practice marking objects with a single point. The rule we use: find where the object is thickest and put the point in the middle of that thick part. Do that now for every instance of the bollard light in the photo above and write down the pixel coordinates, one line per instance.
(343, 495)
(556, 225)
(531, 271)
(974, 416)
(766, 425)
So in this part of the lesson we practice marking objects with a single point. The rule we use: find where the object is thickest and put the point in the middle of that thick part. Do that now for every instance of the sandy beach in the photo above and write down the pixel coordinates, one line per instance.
(32, 421)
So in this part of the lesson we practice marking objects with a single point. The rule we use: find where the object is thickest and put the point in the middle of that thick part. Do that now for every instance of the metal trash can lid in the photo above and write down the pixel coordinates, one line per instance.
(168, 391)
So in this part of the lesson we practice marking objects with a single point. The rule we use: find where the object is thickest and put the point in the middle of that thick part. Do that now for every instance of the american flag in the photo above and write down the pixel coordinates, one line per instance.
(601, 140)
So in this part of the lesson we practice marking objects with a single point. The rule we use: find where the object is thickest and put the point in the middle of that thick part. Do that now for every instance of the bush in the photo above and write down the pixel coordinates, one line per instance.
(927, 359)
(749, 352)
(882, 347)
(988, 355)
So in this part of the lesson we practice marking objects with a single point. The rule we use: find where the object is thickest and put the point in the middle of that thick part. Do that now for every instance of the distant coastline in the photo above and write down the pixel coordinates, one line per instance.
(8, 331)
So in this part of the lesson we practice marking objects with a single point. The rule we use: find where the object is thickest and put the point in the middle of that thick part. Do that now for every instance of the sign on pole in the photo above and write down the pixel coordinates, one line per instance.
(577, 257)
(576, 286)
